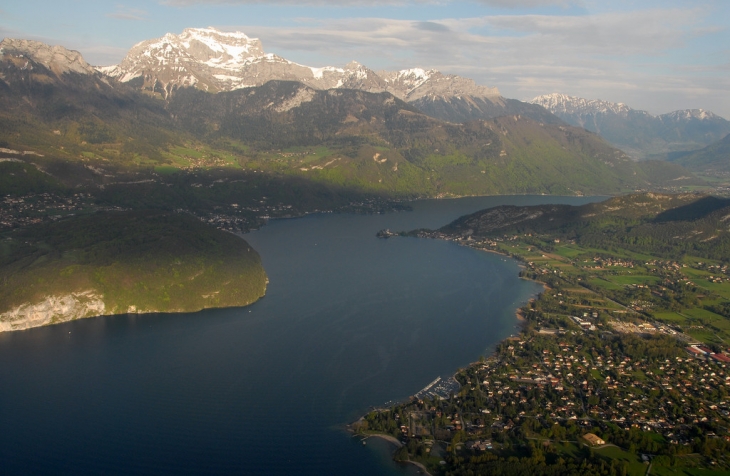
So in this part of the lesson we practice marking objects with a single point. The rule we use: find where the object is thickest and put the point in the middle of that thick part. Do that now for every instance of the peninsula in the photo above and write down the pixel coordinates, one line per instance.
(122, 262)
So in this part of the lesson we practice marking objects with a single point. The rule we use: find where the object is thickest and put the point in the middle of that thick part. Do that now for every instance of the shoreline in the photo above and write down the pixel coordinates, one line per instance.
(521, 323)
(394, 441)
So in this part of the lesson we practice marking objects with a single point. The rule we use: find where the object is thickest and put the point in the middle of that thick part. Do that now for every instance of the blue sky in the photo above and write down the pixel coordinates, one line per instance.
(654, 55)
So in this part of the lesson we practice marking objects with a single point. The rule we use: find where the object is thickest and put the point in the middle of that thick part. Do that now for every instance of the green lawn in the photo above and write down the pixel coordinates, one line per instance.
(670, 317)
(604, 284)
(700, 278)
(166, 169)
(636, 467)
(704, 335)
(569, 251)
(700, 313)
(664, 471)
(633, 279)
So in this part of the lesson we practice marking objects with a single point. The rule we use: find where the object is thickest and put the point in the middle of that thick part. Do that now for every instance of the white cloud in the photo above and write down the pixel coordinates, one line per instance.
(125, 13)
(525, 40)
(615, 56)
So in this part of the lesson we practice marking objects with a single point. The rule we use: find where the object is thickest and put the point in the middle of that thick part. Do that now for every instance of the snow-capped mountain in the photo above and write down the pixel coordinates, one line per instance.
(688, 115)
(637, 132)
(215, 61)
(564, 104)
(413, 84)
(208, 59)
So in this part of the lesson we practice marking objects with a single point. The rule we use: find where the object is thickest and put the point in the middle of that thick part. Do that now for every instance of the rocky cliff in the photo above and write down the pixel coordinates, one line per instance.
(53, 310)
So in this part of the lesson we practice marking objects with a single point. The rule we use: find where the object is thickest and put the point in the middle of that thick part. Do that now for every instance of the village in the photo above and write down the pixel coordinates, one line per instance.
(575, 388)
(597, 366)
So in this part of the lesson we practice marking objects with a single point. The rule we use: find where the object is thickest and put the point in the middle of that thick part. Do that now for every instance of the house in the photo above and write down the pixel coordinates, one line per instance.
(720, 357)
(593, 439)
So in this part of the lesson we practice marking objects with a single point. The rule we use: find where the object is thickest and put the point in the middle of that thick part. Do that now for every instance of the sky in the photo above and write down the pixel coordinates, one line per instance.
(655, 55)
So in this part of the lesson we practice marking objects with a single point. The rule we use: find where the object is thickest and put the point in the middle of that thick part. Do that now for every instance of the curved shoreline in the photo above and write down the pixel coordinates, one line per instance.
(398, 444)
(521, 322)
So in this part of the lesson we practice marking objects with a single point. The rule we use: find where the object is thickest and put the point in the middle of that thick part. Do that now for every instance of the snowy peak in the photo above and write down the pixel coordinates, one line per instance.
(686, 115)
(416, 83)
(638, 133)
(202, 57)
(407, 79)
(220, 49)
(215, 61)
(208, 46)
(56, 58)
(561, 103)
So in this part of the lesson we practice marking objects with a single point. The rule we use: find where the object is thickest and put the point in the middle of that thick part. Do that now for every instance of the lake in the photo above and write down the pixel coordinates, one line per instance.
(349, 321)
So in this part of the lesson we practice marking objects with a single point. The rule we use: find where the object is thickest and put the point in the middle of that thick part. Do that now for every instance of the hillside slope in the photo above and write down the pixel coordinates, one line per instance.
(396, 149)
(354, 140)
(124, 262)
(660, 224)
(711, 159)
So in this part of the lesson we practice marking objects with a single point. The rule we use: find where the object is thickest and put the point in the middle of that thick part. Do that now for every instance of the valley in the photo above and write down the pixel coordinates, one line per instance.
(129, 189)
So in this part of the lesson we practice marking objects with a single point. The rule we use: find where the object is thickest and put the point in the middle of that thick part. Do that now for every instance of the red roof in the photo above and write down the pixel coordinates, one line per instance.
(721, 357)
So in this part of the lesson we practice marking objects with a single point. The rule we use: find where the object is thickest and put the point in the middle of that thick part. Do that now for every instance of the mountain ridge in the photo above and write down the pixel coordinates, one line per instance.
(214, 60)
(636, 132)
(363, 141)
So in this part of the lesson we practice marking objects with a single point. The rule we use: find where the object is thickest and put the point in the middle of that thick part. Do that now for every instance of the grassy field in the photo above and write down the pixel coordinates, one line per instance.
(572, 261)
(635, 466)
(627, 279)
(670, 316)
(690, 461)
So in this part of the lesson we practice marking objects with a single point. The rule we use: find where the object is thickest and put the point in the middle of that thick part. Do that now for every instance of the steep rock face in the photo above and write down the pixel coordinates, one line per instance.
(217, 61)
(637, 132)
(52, 310)
(56, 58)
(455, 99)
(205, 58)
(413, 84)
(570, 105)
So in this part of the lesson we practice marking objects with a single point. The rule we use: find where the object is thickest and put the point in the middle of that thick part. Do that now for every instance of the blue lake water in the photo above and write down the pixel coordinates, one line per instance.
(349, 322)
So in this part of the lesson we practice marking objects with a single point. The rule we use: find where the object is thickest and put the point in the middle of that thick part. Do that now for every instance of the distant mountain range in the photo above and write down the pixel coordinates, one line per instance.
(636, 132)
(205, 89)
(216, 61)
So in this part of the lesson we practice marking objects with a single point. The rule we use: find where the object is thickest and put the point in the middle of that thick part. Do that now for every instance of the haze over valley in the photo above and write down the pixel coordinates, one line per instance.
(263, 230)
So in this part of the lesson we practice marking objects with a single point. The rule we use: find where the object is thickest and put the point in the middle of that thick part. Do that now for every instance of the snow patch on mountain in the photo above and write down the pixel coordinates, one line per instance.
(562, 103)
(638, 133)
(224, 61)
(319, 73)
(690, 114)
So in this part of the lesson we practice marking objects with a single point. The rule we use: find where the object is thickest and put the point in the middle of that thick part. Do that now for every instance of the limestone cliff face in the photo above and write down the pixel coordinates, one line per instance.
(56, 58)
(53, 310)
